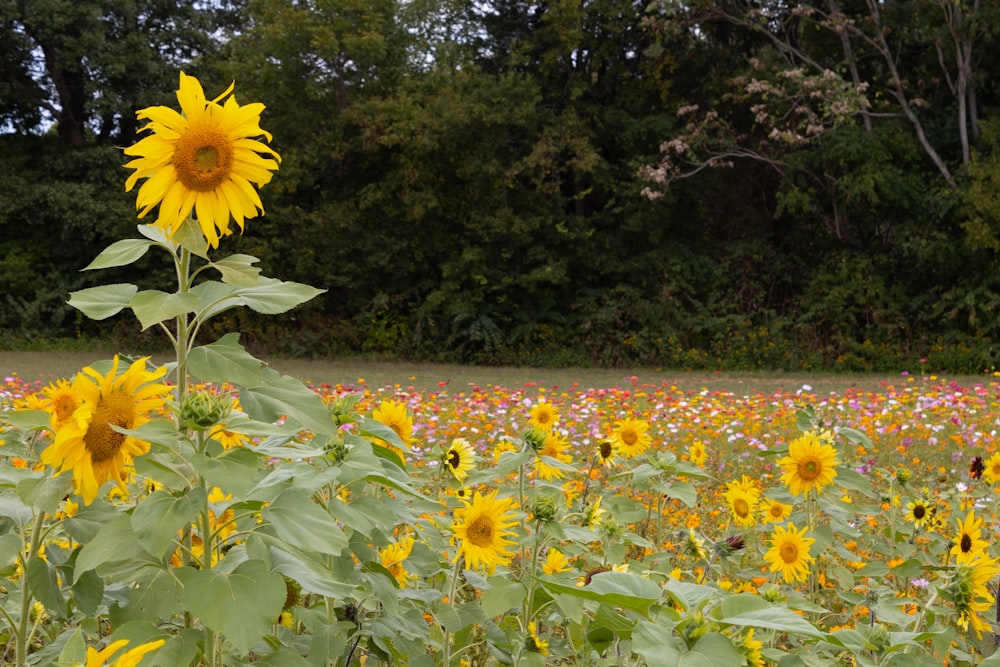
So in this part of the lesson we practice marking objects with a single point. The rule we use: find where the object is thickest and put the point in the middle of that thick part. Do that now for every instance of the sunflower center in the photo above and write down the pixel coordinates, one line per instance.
(203, 158)
(919, 512)
(776, 510)
(741, 507)
(606, 449)
(789, 552)
(64, 407)
(810, 469)
(103, 442)
(966, 543)
(480, 532)
(629, 437)
(454, 459)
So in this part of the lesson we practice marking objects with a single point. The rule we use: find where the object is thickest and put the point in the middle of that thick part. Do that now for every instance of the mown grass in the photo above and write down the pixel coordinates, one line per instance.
(47, 365)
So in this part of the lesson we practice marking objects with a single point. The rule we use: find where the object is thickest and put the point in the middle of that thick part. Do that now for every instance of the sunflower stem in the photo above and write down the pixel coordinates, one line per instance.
(21, 638)
(181, 342)
(208, 549)
(446, 642)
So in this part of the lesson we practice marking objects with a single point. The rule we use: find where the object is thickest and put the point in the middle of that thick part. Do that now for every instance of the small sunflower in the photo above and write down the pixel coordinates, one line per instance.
(61, 403)
(393, 414)
(88, 445)
(222, 523)
(460, 459)
(533, 643)
(968, 542)
(555, 562)
(789, 553)
(593, 515)
(919, 512)
(543, 416)
(631, 437)
(750, 649)
(971, 593)
(205, 159)
(992, 471)
(694, 546)
(775, 511)
(742, 505)
(392, 557)
(555, 447)
(483, 527)
(697, 453)
(129, 658)
(606, 451)
(810, 464)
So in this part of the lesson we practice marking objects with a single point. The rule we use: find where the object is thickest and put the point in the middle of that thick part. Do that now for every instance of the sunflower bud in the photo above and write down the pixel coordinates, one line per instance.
(544, 508)
(200, 411)
(903, 476)
(535, 439)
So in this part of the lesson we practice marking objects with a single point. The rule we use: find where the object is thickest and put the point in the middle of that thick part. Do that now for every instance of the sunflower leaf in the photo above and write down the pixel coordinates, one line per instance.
(119, 253)
(153, 306)
(157, 520)
(272, 296)
(238, 270)
(114, 542)
(100, 303)
(225, 360)
(281, 395)
(753, 611)
(296, 519)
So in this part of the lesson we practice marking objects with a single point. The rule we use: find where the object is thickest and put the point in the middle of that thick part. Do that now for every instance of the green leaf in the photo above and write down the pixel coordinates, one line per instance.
(238, 269)
(286, 396)
(503, 595)
(302, 523)
(99, 303)
(14, 508)
(272, 296)
(156, 598)
(242, 605)
(119, 253)
(618, 589)
(215, 298)
(10, 547)
(308, 571)
(712, 650)
(44, 584)
(157, 520)
(114, 542)
(225, 360)
(682, 491)
(74, 650)
(750, 610)
(45, 493)
(376, 429)
(854, 435)
(88, 521)
(655, 643)
(153, 306)
(233, 471)
(28, 420)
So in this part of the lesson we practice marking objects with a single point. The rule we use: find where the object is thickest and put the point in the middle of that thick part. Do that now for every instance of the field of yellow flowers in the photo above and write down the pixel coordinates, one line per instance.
(640, 524)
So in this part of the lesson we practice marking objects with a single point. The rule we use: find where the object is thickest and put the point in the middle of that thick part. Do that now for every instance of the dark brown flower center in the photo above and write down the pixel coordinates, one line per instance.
(103, 442)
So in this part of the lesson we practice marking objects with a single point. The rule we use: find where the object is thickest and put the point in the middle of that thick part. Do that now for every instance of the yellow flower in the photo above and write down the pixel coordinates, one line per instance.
(460, 459)
(810, 464)
(555, 562)
(971, 592)
(222, 524)
(919, 512)
(543, 416)
(789, 553)
(631, 437)
(742, 505)
(697, 453)
(968, 542)
(206, 159)
(992, 470)
(392, 557)
(88, 445)
(62, 402)
(483, 526)
(556, 448)
(606, 451)
(393, 414)
(592, 516)
(775, 511)
(129, 658)
(533, 643)
(750, 649)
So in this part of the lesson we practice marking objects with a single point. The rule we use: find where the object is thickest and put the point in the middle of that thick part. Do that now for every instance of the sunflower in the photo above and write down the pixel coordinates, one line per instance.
(206, 159)
(392, 557)
(970, 591)
(533, 643)
(697, 453)
(61, 403)
(810, 464)
(223, 524)
(393, 414)
(460, 459)
(483, 526)
(968, 542)
(555, 562)
(88, 445)
(555, 447)
(775, 512)
(750, 649)
(630, 437)
(129, 658)
(543, 416)
(593, 515)
(919, 512)
(606, 451)
(992, 471)
(694, 546)
(742, 505)
(789, 553)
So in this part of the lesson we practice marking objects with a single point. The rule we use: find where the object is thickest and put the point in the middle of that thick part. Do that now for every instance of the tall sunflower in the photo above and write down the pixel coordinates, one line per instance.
(62, 402)
(789, 553)
(631, 437)
(460, 459)
(205, 159)
(483, 527)
(87, 444)
(810, 464)
(543, 416)
(554, 447)
(968, 542)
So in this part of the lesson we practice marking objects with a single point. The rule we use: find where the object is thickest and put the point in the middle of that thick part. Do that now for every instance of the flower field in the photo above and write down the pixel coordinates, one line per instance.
(640, 524)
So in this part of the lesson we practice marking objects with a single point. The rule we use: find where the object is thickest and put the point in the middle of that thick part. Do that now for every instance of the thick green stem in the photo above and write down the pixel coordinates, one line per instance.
(208, 550)
(181, 341)
(446, 641)
(21, 639)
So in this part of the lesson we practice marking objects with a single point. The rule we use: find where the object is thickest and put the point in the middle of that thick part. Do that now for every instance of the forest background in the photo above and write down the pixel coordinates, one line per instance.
(702, 185)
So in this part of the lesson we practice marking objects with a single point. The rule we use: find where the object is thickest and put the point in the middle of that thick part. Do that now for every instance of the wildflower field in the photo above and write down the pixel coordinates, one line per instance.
(212, 511)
